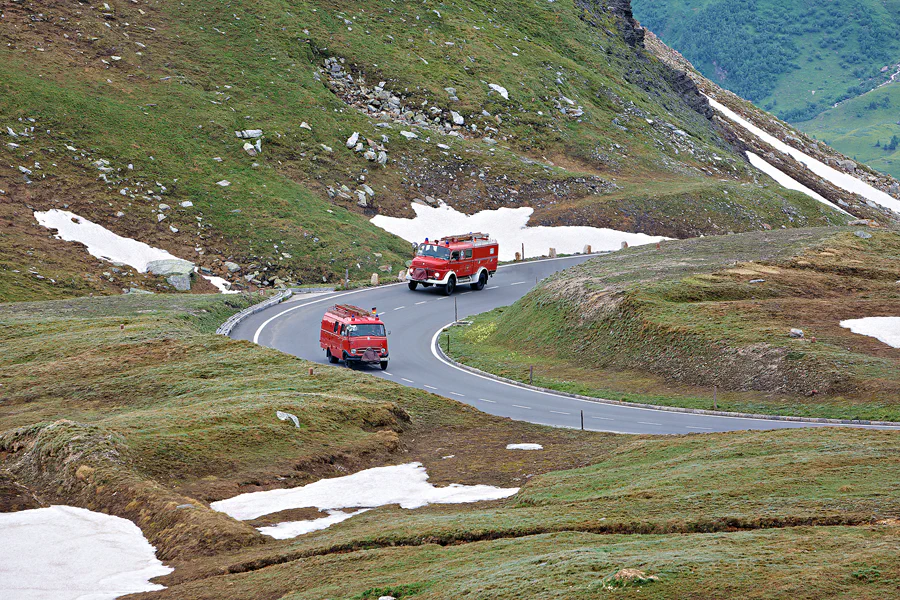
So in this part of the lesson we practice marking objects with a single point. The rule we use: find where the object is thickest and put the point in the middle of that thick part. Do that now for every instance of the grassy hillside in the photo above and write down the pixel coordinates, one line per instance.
(118, 108)
(794, 59)
(866, 128)
(666, 326)
(153, 420)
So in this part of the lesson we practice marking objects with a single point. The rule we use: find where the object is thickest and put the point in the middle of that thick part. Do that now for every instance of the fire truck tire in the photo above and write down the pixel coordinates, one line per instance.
(450, 287)
(331, 358)
(482, 281)
(384, 364)
(413, 285)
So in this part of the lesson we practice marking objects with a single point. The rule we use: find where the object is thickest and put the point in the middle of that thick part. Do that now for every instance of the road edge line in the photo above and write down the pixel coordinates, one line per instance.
(440, 355)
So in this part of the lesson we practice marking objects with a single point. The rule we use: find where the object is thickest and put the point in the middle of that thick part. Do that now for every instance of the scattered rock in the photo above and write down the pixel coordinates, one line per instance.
(286, 416)
(407, 134)
(223, 183)
(353, 139)
(457, 118)
(248, 134)
(305, 125)
(249, 149)
(500, 90)
(862, 235)
(232, 267)
(187, 204)
(796, 333)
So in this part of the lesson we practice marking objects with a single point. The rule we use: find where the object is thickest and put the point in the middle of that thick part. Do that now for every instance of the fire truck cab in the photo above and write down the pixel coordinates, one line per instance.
(353, 335)
(454, 260)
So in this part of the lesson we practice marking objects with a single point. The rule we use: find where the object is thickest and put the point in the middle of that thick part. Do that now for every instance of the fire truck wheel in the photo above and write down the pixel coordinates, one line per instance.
(413, 285)
(482, 281)
(331, 358)
(451, 285)
(384, 365)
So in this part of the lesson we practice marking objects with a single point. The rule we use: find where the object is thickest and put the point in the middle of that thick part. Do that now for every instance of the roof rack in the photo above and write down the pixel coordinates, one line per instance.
(466, 237)
(348, 310)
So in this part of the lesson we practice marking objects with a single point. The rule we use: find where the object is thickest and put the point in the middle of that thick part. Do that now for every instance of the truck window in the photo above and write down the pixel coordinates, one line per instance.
(434, 251)
(335, 326)
(366, 329)
(467, 253)
(454, 255)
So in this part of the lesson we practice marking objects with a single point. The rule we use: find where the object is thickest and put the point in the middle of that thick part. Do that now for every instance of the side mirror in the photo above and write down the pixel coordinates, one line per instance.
(389, 332)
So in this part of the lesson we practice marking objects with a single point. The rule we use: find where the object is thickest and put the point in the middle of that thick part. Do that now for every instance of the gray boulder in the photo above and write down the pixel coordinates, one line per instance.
(232, 267)
(181, 282)
(170, 266)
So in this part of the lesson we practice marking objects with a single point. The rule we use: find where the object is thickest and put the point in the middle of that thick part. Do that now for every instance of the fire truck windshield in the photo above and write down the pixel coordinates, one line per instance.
(433, 251)
(366, 329)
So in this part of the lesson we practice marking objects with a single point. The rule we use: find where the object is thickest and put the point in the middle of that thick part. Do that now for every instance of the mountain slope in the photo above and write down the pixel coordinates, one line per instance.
(123, 112)
(795, 59)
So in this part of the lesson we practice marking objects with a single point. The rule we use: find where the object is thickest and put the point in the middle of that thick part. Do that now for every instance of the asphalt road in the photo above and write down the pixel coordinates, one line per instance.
(414, 318)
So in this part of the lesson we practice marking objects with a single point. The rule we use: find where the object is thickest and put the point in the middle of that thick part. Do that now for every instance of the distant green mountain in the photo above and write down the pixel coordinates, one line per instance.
(795, 59)
(866, 128)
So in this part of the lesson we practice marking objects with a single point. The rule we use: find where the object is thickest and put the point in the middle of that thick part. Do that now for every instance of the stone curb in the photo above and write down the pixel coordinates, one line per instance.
(226, 327)
(679, 409)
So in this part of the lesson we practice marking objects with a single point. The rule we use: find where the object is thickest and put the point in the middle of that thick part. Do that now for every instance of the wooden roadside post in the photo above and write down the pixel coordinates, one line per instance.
(715, 398)
(582, 420)
(531, 375)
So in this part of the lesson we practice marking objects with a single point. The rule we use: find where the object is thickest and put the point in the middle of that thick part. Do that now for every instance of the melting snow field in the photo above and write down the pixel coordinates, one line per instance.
(841, 180)
(106, 245)
(524, 447)
(406, 485)
(63, 552)
(883, 329)
(509, 227)
(787, 181)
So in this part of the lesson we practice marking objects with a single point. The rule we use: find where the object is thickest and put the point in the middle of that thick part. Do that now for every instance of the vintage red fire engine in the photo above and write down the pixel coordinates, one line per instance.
(454, 260)
(354, 335)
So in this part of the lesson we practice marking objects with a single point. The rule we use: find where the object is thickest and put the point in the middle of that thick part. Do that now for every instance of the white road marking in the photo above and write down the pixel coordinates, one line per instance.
(603, 418)
(422, 302)
(520, 406)
(486, 400)
(330, 297)
(464, 293)
(517, 283)
(430, 387)
(648, 423)
(407, 380)
(400, 308)
(691, 427)
(557, 412)
(390, 374)
(458, 394)
(493, 287)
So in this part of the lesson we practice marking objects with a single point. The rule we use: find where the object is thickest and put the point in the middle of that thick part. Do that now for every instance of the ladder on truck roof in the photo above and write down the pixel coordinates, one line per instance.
(350, 311)
(466, 237)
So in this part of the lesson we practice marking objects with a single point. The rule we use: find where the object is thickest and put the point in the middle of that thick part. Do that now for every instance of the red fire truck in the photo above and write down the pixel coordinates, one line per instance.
(454, 260)
(353, 335)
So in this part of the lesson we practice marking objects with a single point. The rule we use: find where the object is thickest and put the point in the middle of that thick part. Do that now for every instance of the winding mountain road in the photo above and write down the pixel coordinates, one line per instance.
(414, 320)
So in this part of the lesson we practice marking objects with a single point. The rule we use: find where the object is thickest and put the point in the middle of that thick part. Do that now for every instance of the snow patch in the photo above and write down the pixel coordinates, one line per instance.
(524, 447)
(291, 529)
(883, 329)
(100, 241)
(64, 552)
(222, 284)
(406, 485)
(841, 180)
(509, 227)
(787, 181)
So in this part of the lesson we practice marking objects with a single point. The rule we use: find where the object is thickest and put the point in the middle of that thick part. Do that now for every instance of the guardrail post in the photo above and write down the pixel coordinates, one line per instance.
(582, 420)
(530, 374)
